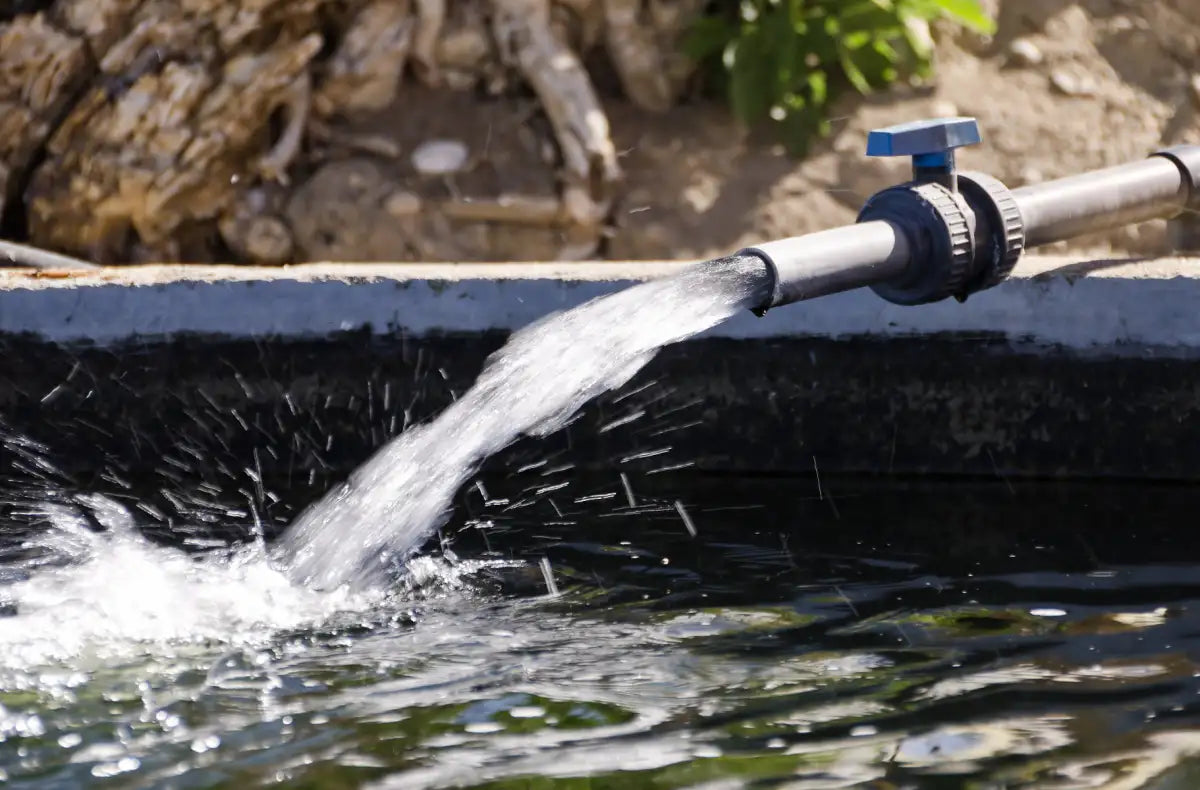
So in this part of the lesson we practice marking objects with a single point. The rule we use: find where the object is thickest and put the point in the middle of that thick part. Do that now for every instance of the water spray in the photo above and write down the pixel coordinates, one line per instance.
(950, 233)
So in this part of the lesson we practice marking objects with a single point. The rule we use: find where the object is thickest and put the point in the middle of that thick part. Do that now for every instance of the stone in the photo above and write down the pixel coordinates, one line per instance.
(402, 204)
(1023, 52)
(440, 157)
(268, 240)
(1071, 84)
(253, 230)
(341, 213)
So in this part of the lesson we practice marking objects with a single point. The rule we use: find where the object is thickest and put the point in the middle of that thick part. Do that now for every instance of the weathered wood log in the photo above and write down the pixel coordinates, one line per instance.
(465, 53)
(170, 149)
(42, 67)
(430, 16)
(642, 42)
(522, 29)
(296, 101)
(155, 127)
(516, 209)
(367, 68)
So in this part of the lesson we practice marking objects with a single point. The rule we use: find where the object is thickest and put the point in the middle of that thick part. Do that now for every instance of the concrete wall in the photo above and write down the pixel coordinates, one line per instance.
(1068, 370)
(1114, 307)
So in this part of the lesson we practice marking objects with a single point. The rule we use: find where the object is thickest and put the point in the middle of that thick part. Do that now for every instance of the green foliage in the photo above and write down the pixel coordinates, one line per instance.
(785, 61)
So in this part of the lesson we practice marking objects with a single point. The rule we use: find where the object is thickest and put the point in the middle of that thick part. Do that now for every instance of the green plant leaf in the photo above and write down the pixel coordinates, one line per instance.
(969, 13)
(750, 78)
(868, 15)
(854, 73)
(784, 62)
(708, 37)
(916, 35)
(818, 88)
(782, 40)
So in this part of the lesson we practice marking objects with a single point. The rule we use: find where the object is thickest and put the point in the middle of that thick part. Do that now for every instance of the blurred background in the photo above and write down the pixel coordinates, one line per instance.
(274, 131)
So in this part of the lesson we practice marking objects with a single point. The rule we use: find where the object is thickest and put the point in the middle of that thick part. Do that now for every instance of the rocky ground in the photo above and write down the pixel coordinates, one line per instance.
(378, 130)
(1063, 87)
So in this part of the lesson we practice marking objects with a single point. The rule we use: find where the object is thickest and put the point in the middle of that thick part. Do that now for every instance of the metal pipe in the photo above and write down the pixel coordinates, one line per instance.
(1154, 188)
(830, 261)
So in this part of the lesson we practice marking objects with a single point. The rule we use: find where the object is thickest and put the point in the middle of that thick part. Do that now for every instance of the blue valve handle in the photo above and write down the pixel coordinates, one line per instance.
(930, 143)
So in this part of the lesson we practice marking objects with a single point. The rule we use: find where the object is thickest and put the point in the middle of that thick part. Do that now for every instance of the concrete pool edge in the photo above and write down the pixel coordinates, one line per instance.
(1069, 370)
(1118, 307)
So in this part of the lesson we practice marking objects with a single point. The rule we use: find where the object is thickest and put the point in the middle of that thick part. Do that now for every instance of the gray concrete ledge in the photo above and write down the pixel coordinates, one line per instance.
(1119, 307)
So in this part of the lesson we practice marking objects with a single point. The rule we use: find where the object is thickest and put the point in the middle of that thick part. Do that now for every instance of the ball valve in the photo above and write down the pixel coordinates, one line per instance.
(950, 233)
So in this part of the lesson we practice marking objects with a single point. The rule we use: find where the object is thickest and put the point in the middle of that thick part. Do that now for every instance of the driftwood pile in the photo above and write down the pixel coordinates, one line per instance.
(135, 130)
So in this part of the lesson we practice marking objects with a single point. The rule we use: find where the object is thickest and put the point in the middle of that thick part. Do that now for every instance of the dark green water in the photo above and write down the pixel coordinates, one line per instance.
(846, 633)
(873, 636)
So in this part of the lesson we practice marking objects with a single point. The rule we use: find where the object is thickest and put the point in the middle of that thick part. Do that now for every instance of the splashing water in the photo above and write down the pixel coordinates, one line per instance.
(107, 594)
(91, 598)
(532, 386)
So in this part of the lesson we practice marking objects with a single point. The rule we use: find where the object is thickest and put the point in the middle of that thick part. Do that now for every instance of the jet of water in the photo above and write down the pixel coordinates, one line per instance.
(531, 386)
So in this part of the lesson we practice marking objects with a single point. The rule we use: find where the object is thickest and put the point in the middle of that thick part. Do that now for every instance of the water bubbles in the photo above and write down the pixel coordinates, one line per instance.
(166, 721)
(122, 766)
(205, 744)
(20, 725)
(112, 594)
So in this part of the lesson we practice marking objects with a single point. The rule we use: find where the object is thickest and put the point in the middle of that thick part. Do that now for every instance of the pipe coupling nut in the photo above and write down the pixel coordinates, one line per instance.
(1004, 244)
(940, 228)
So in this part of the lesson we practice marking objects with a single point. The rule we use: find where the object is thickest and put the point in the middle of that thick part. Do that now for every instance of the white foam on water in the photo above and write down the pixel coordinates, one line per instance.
(532, 386)
(106, 595)
(84, 597)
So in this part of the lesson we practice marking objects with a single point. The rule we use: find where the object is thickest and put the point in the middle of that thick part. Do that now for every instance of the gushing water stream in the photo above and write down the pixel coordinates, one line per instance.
(81, 592)
(532, 386)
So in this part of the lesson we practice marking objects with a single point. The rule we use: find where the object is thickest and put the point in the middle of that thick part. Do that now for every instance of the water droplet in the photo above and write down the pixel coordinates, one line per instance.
(122, 766)
(205, 744)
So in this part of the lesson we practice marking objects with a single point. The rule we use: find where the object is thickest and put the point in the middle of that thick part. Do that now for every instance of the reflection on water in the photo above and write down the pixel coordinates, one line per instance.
(900, 637)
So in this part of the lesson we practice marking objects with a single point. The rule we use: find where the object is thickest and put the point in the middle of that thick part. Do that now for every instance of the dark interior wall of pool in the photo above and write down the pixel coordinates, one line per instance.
(928, 406)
